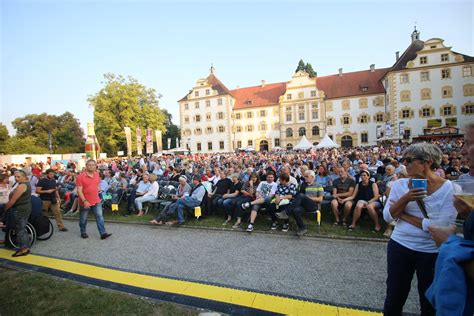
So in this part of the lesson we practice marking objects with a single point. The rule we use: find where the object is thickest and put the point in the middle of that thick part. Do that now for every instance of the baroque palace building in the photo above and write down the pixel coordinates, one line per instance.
(428, 86)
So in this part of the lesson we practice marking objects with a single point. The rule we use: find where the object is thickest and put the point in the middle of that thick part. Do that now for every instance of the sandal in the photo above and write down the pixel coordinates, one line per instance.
(344, 224)
(21, 252)
(171, 223)
(351, 228)
(375, 230)
(335, 224)
(154, 222)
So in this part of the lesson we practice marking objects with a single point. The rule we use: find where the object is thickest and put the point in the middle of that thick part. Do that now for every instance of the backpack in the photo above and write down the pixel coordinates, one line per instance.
(40, 223)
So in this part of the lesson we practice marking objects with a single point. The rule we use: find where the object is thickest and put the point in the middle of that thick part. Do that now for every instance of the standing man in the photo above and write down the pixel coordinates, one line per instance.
(49, 194)
(87, 184)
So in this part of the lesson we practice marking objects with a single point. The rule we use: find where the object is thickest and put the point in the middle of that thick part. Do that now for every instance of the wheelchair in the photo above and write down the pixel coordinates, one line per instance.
(38, 227)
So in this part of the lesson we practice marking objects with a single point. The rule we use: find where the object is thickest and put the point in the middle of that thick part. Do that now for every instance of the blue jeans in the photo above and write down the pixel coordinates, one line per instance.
(99, 218)
(186, 203)
(229, 204)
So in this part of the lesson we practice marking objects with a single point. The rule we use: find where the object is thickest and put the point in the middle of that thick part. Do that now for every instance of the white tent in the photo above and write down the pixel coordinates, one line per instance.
(303, 144)
(327, 143)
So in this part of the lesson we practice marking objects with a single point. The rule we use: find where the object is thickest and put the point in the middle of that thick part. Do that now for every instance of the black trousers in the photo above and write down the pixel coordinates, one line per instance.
(402, 263)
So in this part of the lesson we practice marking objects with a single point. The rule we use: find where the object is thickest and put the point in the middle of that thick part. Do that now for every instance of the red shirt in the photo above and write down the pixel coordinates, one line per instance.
(90, 187)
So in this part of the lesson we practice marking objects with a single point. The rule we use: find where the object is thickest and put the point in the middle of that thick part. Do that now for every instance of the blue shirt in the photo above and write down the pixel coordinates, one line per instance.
(143, 187)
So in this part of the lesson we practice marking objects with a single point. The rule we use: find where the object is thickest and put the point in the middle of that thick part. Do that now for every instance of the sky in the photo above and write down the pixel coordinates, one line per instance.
(54, 53)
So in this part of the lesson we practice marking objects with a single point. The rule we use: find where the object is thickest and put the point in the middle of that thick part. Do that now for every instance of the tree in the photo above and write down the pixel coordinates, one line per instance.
(301, 66)
(124, 102)
(172, 131)
(3, 138)
(309, 69)
(32, 134)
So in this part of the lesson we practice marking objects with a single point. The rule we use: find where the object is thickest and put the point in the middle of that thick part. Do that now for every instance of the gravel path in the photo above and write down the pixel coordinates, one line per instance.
(334, 271)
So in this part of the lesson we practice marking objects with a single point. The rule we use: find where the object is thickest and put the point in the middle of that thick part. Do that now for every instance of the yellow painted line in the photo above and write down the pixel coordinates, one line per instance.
(266, 302)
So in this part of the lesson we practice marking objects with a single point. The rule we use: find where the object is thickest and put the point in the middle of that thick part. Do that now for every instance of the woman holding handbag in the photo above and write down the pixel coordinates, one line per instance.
(411, 248)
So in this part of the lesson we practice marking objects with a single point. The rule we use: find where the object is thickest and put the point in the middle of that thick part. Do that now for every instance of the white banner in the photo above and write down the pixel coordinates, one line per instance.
(159, 144)
(139, 142)
(149, 141)
(401, 129)
(128, 136)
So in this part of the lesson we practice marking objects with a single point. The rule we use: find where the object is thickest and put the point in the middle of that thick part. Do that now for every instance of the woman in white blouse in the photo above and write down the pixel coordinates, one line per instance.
(150, 195)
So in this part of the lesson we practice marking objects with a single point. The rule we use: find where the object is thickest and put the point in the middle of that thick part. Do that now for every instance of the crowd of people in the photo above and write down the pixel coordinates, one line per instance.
(351, 182)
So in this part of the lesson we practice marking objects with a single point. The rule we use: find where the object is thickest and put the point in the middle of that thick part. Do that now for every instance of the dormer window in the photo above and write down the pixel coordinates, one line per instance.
(433, 46)
(423, 60)
(248, 102)
(364, 88)
(444, 57)
(196, 93)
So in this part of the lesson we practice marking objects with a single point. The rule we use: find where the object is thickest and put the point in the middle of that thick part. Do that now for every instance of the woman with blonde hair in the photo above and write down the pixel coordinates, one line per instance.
(150, 195)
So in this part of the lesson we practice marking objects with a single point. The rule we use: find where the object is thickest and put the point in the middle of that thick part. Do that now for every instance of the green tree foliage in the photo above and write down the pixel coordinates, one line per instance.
(124, 102)
(3, 138)
(308, 68)
(172, 131)
(32, 134)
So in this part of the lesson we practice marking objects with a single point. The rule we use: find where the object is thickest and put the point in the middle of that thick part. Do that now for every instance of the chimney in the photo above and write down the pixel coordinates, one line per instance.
(372, 68)
(397, 56)
(263, 83)
(340, 71)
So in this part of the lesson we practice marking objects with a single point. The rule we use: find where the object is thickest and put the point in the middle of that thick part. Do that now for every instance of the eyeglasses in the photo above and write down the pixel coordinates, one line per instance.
(411, 159)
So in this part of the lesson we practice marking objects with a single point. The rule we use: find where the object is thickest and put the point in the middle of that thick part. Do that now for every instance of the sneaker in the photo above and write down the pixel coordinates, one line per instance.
(285, 228)
(105, 236)
(84, 235)
(245, 205)
(64, 229)
(301, 231)
(274, 226)
(226, 222)
(250, 228)
(281, 215)
(236, 226)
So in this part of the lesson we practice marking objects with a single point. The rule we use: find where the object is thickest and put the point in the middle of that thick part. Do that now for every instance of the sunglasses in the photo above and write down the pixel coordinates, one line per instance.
(411, 159)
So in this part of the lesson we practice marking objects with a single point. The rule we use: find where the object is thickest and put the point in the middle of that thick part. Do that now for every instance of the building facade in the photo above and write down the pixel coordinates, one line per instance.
(428, 86)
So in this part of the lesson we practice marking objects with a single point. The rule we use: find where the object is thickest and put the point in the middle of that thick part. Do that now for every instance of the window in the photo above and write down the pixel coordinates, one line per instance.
(468, 90)
(445, 73)
(364, 119)
(346, 105)
(277, 142)
(250, 142)
(405, 113)
(313, 93)
(208, 103)
(288, 117)
(301, 95)
(301, 116)
(186, 106)
(328, 106)
(196, 105)
(220, 115)
(405, 96)
(209, 130)
(186, 119)
(288, 96)
(289, 132)
(406, 134)
(315, 115)
(249, 114)
(302, 131)
(197, 118)
(221, 129)
(219, 101)
(379, 117)
(444, 57)
(198, 131)
(262, 126)
(315, 131)
(239, 144)
(209, 146)
(447, 110)
(330, 121)
(364, 137)
(208, 92)
(263, 113)
(423, 60)
(378, 101)
(468, 108)
(404, 78)
(208, 116)
(198, 146)
(238, 116)
(196, 93)
(447, 92)
(345, 120)
(289, 146)
(249, 128)
(426, 112)
(239, 129)
(221, 145)
(301, 107)
(425, 94)
(288, 108)
(425, 76)
(466, 71)
(363, 103)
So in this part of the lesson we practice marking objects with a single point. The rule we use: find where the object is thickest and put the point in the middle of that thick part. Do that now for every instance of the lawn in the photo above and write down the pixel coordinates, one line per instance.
(262, 224)
(33, 293)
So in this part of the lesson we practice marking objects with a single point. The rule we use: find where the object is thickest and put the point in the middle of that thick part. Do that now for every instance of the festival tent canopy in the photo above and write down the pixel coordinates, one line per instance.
(303, 144)
(327, 143)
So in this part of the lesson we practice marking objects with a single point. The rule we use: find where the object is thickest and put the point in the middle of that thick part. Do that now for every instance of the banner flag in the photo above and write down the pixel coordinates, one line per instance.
(128, 136)
(149, 141)
(139, 142)
(159, 143)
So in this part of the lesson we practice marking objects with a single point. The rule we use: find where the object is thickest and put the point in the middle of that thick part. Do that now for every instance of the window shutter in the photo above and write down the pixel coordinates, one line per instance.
(433, 111)
(412, 113)
(463, 109)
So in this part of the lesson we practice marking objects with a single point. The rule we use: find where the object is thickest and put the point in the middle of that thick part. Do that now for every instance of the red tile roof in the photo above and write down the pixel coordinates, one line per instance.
(258, 96)
(216, 85)
(352, 83)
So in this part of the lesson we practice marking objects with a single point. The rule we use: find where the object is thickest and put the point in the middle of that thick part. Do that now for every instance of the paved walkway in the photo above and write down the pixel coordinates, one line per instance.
(336, 272)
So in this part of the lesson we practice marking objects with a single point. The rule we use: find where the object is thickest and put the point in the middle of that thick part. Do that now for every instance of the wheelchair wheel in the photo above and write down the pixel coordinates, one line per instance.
(31, 232)
(47, 235)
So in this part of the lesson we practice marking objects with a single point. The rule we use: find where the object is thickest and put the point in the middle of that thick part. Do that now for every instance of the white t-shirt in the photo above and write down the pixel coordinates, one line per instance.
(266, 189)
(411, 236)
